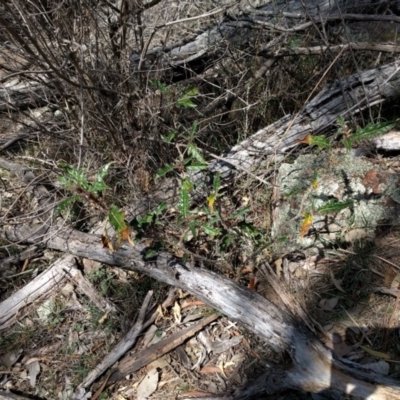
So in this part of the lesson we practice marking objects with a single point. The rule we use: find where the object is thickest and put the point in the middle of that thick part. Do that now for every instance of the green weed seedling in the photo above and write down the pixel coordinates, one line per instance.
(160, 86)
(335, 206)
(75, 180)
(369, 132)
(186, 99)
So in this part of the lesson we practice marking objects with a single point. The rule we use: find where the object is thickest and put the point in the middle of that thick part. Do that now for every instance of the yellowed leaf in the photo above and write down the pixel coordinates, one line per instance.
(306, 224)
(182, 294)
(107, 243)
(306, 140)
(211, 200)
(176, 310)
(104, 317)
(375, 353)
(126, 235)
(159, 314)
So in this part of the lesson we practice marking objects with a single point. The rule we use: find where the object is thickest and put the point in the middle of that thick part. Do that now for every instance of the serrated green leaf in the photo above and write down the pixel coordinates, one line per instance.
(185, 99)
(116, 218)
(217, 182)
(184, 201)
(103, 172)
(193, 227)
(211, 231)
(193, 129)
(334, 206)
(98, 187)
(150, 253)
(187, 184)
(341, 121)
(192, 92)
(347, 144)
(185, 102)
(228, 239)
(196, 166)
(248, 229)
(66, 203)
(169, 138)
(160, 86)
(241, 212)
(372, 130)
(195, 153)
(164, 170)
(147, 219)
(66, 182)
(160, 208)
(320, 141)
(78, 177)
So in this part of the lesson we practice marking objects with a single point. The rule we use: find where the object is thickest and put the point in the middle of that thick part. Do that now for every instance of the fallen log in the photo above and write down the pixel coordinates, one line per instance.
(19, 95)
(313, 369)
(240, 28)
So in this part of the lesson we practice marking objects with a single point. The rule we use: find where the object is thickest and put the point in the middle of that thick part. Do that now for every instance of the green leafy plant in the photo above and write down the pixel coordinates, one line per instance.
(160, 86)
(186, 99)
(170, 137)
(335, 206)
(368, 133)
(73, 176)
(214, 194)
(321, 142)
(76, 181)
(151, 218)
(183, 205)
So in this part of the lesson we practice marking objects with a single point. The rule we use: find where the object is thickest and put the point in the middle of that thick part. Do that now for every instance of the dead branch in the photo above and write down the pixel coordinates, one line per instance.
(122, 347)
(39, 287)
(144, 357)
(319, 50)
(31, 252)
(314, 368)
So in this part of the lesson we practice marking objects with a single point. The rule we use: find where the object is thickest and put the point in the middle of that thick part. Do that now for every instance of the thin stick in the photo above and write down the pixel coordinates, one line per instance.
(240, 168)
(122, 347)
(205, 15)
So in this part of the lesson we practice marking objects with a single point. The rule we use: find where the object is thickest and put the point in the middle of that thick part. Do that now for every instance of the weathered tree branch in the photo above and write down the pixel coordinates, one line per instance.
(314, 368)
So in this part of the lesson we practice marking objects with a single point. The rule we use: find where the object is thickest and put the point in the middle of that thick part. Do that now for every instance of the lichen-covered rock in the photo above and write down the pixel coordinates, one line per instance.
(330, 198)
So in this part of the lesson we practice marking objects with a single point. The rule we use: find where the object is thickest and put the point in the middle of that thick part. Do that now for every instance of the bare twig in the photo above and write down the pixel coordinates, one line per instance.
(122, 347)
(158, 349)
(205, 15)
